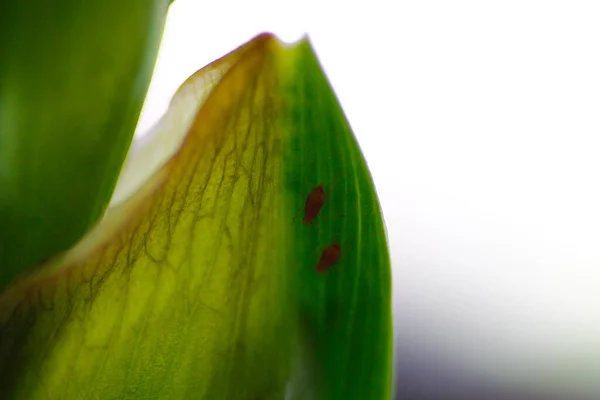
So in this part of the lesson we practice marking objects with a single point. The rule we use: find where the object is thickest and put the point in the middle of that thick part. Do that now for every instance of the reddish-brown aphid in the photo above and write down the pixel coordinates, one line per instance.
(330, 256)
(314, 203)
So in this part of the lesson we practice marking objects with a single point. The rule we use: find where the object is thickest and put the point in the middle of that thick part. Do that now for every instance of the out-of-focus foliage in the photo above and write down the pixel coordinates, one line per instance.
(73, 77)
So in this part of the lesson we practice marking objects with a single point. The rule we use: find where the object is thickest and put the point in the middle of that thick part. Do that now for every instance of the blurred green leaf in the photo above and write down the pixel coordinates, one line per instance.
(202, 285)
(73, 77)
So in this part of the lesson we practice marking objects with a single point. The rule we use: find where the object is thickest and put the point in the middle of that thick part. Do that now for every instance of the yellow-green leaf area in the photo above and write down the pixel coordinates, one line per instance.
(203, 284)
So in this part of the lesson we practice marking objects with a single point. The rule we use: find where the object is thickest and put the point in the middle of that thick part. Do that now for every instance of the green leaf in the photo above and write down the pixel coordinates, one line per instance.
(73, 77)
(202, 285)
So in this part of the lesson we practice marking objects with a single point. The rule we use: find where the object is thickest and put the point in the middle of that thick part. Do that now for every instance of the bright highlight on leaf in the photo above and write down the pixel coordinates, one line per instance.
(204, 284)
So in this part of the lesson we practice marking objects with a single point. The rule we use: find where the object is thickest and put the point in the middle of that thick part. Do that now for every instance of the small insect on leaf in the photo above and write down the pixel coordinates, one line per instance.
(330, 256)
(314, 203)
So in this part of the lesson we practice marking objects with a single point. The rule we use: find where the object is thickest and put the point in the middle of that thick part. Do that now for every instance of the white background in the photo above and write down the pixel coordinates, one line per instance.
(480, 123)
